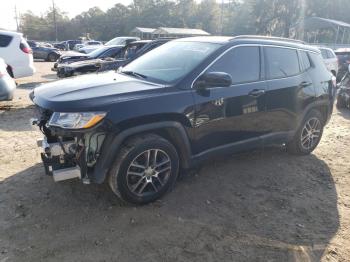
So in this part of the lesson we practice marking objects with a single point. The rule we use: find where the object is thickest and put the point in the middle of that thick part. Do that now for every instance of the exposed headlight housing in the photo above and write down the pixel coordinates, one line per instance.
(80, 120)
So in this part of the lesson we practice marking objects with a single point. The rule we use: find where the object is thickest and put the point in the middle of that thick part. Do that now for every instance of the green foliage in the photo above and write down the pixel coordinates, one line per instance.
(228, 17)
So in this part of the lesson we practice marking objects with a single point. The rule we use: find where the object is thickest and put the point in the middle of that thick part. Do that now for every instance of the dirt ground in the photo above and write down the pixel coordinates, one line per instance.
(259, 206)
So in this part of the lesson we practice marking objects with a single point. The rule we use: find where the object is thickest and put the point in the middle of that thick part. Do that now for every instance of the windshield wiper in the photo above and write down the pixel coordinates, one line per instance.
(132, 73)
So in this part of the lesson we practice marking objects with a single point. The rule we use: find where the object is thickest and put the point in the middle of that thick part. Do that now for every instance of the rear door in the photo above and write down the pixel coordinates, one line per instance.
(290, 89)
(232, 116)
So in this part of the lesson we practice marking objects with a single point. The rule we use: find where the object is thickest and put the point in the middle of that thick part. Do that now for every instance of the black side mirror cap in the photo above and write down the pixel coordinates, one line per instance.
(213, 79)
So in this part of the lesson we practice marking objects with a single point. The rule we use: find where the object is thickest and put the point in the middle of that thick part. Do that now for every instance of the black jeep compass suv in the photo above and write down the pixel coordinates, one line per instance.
(179, 104)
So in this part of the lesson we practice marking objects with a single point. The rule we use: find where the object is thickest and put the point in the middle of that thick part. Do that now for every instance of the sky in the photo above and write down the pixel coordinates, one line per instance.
(72, 7)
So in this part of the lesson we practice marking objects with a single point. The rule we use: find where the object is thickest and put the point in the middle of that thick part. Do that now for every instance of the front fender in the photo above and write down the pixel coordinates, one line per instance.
(114, 141)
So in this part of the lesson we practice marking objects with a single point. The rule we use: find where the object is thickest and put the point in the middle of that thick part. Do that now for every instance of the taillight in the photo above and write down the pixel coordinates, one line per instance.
(25, 48)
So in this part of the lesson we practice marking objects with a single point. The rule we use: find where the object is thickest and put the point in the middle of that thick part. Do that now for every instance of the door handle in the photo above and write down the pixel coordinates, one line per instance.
(305, 84)
(257, 92)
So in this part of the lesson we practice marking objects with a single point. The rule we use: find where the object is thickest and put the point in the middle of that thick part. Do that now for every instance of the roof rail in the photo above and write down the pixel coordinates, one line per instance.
(268, 38)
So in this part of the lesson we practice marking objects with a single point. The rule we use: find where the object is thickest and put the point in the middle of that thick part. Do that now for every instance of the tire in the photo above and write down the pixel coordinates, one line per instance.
(135, 181)
(52, 57)
(304, 140)
(9, 71)
(341, 103)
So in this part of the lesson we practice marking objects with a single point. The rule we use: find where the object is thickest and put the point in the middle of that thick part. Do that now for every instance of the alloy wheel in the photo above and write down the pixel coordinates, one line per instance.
(311, 133)
(148, 172)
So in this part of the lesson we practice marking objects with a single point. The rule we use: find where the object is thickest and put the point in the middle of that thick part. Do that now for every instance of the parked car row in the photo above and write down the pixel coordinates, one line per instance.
(72, 56)
(179, 104)
(123, 40)
(45, 52)
(77, 47)
(113, 58)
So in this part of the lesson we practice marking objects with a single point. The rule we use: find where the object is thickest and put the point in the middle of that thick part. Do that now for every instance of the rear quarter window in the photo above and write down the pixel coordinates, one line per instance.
(5, 40)
(305, 60)
(281, 62)
(324, 53)
(318, 63)
(330, 54)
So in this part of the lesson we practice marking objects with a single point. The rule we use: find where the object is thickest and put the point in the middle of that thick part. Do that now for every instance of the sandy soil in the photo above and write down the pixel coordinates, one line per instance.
(259, 206)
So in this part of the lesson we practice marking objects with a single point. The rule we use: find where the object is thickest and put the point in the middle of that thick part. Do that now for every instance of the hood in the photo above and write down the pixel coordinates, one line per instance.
(73, 54)
(86, 63)
(91, 92)
(90, 47)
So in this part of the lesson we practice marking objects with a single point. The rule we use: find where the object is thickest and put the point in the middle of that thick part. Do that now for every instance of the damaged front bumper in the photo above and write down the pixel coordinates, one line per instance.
(70, 155)
(57, 162)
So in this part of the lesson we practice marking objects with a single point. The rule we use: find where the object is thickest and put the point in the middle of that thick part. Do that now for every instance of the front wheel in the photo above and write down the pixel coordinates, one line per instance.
(145, 169)
(308, 136)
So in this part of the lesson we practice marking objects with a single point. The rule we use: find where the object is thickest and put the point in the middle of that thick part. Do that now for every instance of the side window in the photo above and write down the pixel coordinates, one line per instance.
(324, 53)
(109, 53)
(281, 62)
(242, 63)
(5, 40)
(305, 60)
(330, 54)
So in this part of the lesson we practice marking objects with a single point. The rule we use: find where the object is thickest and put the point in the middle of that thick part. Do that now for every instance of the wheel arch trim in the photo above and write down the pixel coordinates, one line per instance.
(113, 142)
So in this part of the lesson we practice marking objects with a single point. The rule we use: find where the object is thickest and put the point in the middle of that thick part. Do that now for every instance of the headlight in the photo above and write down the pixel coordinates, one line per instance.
(76, 120)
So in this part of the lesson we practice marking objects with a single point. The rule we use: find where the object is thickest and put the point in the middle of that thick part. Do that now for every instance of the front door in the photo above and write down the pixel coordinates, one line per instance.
(232, 117)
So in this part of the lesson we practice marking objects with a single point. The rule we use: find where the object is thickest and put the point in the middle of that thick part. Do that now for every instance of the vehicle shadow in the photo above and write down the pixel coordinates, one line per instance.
(260, 206)
(52, 76)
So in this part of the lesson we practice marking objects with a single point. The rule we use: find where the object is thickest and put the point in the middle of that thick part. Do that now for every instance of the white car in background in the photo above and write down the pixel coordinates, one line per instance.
(330, 59)
(17, 54)
(7, 84)
(87, 43)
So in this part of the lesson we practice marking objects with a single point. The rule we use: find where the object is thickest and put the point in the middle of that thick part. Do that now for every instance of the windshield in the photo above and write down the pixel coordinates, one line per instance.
(171, 61)
(116, 41)
(96, 53)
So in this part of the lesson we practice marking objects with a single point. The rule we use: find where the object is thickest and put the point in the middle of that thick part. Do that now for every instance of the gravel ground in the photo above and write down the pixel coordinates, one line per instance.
(258, 206)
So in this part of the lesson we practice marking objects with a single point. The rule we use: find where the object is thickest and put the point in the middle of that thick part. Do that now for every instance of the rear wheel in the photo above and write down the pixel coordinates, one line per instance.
(52, 57)
(145, 169)
(308, 135)
(9, 71)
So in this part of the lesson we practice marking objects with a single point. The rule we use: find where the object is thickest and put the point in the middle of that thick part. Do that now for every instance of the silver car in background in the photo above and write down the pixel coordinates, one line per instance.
(7, 84)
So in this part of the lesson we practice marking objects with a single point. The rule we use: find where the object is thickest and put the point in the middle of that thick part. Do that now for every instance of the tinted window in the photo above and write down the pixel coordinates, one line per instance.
(5, 40)
(281, 62)
(242, 63)
(112, 53)
(305, 59)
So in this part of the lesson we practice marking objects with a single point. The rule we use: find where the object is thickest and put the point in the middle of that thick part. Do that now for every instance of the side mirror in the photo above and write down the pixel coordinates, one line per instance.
(213, 79)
